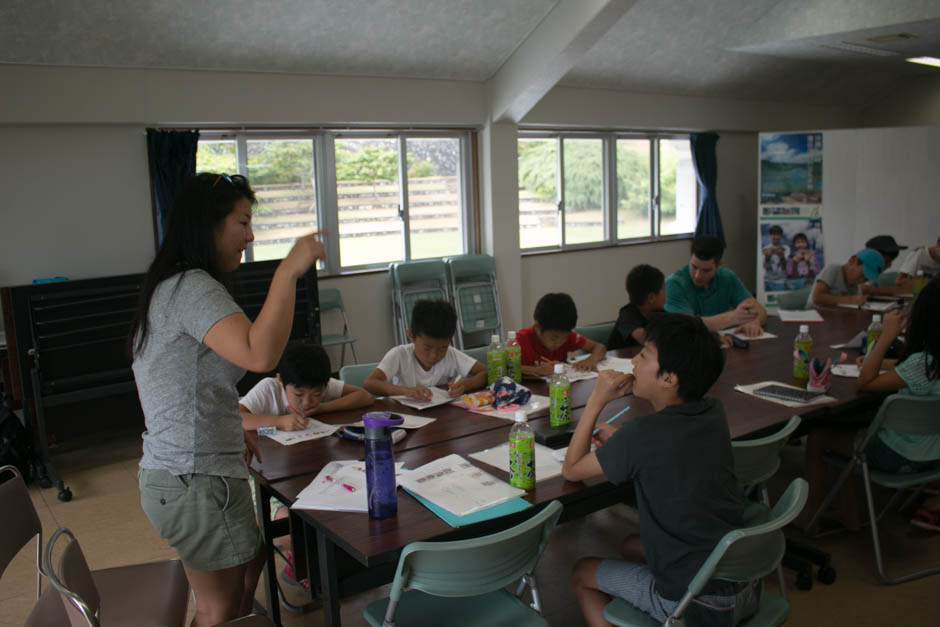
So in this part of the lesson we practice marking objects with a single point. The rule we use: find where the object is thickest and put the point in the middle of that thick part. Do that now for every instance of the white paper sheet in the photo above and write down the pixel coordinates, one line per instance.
(848, 370)
(558, 454)
(749, 390)
(620, 364)
(763, 336)
(340, 486)
(438, 397)
(457, 485)
(808, 315)
(314, 430)
(872, 306)
(546, 466)
(411, 422)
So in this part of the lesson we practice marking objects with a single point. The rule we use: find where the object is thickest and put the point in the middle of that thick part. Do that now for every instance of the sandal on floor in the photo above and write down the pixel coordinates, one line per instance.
(926, 519)
(288, 576)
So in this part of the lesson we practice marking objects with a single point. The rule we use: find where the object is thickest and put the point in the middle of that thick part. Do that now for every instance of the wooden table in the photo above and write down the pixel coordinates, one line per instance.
(354, 553)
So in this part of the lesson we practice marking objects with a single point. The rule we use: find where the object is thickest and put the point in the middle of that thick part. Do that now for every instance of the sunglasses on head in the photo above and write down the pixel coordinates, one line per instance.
(236, 180)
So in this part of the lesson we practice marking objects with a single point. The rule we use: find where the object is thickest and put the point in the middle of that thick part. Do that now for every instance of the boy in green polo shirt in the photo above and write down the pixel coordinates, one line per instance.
(705, 289)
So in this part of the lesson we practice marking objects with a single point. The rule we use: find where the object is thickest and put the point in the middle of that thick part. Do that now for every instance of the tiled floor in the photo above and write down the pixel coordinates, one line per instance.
(105, 515)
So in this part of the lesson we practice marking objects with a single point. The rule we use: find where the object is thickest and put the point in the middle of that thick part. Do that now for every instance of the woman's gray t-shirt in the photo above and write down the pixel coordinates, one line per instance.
(186, 390)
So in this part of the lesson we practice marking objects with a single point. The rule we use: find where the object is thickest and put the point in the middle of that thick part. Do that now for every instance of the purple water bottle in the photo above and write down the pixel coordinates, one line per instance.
(380, 463)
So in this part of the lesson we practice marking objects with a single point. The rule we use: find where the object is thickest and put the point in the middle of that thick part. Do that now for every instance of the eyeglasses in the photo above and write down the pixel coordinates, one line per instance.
(236, 180)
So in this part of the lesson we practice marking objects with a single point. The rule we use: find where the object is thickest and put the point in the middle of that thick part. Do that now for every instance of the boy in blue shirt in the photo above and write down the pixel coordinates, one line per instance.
(679, 460)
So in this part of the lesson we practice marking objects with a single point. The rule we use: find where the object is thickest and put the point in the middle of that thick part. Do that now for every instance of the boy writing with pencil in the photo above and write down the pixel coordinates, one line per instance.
(428, 360)
(549, 340)
(842, 284)
(679, 460)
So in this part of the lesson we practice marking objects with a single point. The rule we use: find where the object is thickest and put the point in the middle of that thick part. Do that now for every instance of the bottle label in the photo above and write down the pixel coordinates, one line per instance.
(801, 364)
(514, 363)
(495, 366)
(871, 338)
(559, 405)
(522, 462)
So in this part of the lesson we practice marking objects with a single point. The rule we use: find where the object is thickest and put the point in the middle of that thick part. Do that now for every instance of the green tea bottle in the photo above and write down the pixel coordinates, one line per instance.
(521, 453)
(495, 360)
(803, 352)
(513, 358)
(559, 396)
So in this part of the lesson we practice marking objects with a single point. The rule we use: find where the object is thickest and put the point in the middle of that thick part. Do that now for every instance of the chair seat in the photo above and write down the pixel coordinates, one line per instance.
(336, 338)
(494, 609)
(772, 611)
(890, 479)
(122, 603)
(48, 611)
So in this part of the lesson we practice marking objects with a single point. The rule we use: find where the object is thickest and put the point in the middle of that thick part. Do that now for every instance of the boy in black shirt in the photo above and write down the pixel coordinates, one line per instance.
(679, 460)
(646, 287)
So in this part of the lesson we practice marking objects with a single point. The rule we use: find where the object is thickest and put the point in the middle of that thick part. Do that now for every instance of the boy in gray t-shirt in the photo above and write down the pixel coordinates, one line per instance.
(840, 284)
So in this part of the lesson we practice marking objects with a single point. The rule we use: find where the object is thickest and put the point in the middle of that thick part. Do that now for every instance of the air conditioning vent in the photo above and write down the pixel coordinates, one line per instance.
(858, 49)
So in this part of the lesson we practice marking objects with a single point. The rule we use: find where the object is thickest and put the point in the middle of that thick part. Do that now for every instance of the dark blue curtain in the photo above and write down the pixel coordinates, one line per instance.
(172, 156)
(706, 171)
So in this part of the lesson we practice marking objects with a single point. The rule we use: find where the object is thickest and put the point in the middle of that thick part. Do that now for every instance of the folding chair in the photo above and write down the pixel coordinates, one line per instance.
(477, 352)
(797, 299)
(476, 298)
(745, 554)
(599, 333)
(462, 582)
(904, 413)
(413, 281)
(331, 299)
(356, 375)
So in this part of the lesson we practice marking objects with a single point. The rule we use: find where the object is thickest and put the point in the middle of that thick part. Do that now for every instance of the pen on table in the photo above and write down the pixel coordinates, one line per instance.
(612, 418)
(348, 487)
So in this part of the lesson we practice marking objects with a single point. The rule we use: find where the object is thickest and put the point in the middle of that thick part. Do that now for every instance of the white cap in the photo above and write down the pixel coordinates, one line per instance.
(520, 417)
(876, 318)
(494, 338)
(559, 368)
(511, 335)
(804, 328)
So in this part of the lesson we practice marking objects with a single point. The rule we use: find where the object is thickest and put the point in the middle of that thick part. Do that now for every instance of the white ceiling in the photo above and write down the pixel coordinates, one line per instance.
(755, 49)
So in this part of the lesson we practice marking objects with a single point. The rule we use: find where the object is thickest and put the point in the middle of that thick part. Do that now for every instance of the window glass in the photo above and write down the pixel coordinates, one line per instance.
(633, 188)
(584, 190)
(434, 197)
(281, 172)
(678, 187)
(216, 156)
(368, 199)
(538, 193)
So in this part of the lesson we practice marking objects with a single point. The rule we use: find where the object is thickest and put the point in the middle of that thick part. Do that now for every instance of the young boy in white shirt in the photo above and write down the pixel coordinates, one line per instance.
(428, 360)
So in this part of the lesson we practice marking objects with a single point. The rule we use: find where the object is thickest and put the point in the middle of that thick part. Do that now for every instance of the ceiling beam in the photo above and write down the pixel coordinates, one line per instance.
(548, 53)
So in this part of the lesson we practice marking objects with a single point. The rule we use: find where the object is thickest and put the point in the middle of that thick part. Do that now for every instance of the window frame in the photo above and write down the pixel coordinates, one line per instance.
(327, 197)
(609, 185)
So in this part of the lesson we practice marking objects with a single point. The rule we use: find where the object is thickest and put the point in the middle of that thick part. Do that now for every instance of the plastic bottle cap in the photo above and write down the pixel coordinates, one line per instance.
(559, 368)
(520, 417)
(876, 318)
(804, 328)
(512, 335)
(494, 339)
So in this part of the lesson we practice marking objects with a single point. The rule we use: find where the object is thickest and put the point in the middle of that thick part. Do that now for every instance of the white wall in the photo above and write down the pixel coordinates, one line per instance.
(880, 180)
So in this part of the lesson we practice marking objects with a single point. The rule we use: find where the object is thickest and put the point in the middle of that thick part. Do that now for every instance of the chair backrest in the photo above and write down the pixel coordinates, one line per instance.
(752, 552)
(599, 333)
(330, 298)
(20, 521)
(477, 352)
(797, 299)
(476, 296)
(906, 413)
(757, 460)
(74, 581)
(887, 279)
(357, 374)
(470, 567)
(413, 281)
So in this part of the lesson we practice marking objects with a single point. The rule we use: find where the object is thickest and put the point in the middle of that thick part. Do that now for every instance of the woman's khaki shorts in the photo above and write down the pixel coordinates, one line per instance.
(208, 520)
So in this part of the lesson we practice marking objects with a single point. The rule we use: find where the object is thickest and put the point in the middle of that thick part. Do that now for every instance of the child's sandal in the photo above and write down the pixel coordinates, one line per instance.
(926, 519)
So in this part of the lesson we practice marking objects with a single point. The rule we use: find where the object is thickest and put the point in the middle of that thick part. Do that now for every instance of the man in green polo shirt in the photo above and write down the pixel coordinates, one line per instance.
(705, 289)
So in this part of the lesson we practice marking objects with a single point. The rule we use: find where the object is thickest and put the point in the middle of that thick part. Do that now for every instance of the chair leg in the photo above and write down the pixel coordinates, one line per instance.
(846, 473)
(533, 584)
(352, 347)
(342, 355)
(879, 562)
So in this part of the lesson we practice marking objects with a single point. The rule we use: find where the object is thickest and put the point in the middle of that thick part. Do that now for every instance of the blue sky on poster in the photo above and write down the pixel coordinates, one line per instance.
(791, 148)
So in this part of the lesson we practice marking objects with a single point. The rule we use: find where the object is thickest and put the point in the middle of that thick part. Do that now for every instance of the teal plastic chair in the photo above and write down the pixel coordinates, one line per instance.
(476, 297)
(914, 415)
(356, 375)
(331, 300)
(461, 582)
(744, 554)
(794, 300)
(478, 353)
(888, 279)
(412, 281)
(599, 333)
(756, 461)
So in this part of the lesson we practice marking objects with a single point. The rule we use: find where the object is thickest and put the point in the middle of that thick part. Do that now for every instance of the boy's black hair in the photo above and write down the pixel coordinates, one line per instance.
(556, 312)
(801, 236)
(923, 333)
(688, 350)
(774, 228)
(642, 281)
(708, 247)
(304, 366)
(433, 318)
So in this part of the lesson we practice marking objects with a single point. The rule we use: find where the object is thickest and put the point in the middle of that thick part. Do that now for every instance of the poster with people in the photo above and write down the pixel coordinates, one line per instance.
(790, 245)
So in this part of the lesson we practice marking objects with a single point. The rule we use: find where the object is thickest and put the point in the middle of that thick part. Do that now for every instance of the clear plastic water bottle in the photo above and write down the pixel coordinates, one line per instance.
(873, 334)
(381, 487)
(803, 349)
(521, 453)
(559, 396)
(513, 358)
(495, 360)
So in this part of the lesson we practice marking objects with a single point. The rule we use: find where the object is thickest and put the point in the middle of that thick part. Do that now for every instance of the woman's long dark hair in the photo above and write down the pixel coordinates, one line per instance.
(923, 329)
(189, 242)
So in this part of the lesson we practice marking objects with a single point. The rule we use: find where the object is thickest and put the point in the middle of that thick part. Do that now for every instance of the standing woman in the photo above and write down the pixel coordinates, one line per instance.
(190, 344)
